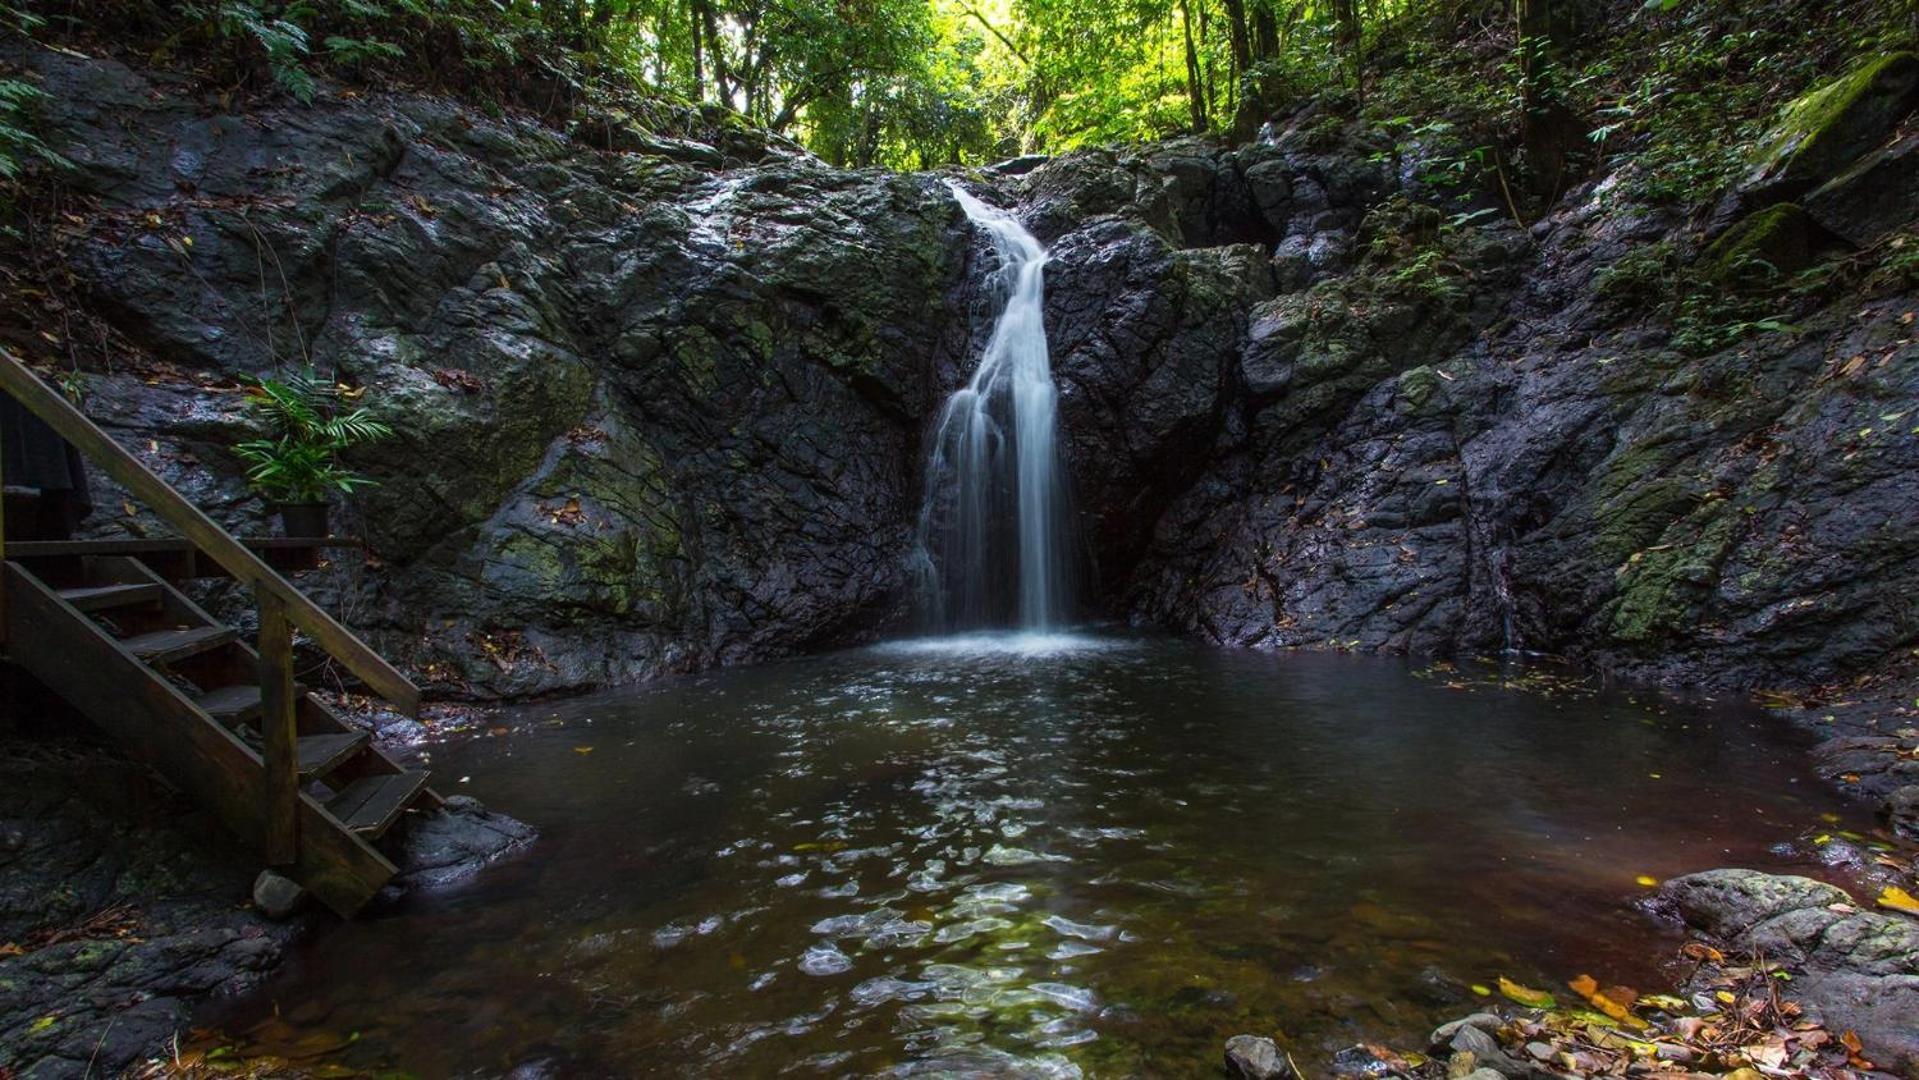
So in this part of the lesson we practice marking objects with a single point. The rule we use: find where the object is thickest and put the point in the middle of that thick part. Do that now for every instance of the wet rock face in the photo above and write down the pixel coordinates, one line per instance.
(652, 413)
(1446, 437)
(660, 408)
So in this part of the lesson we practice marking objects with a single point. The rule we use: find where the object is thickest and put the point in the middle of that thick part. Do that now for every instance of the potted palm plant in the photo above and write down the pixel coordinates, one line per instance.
(296, 467)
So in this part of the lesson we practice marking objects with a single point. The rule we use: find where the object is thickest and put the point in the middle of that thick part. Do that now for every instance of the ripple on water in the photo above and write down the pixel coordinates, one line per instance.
(825, 960)
(1248, 837)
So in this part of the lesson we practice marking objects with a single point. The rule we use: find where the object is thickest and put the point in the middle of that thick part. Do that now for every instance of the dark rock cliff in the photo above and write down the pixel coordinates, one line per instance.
(663, 407)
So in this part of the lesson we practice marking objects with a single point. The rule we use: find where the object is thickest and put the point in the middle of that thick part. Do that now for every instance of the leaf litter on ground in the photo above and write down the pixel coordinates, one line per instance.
(1732, 1022)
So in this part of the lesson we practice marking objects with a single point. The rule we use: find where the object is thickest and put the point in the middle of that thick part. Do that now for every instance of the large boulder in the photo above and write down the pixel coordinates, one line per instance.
(1855, 968)
(1821, 133)
(1876, 196)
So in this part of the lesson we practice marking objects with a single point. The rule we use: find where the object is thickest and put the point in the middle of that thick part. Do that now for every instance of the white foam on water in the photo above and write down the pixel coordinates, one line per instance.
(1003, 643)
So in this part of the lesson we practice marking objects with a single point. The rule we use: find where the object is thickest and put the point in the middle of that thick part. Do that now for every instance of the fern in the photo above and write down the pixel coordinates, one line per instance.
(348, 50)
(279, 37)
(18, 143)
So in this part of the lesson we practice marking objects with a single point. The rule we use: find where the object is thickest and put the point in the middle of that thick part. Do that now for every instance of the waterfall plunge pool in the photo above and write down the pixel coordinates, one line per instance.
(1038, 855)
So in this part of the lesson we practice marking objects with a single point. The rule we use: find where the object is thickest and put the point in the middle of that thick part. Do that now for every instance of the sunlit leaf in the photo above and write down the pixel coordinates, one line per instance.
(1525, 995)
(1899, 899)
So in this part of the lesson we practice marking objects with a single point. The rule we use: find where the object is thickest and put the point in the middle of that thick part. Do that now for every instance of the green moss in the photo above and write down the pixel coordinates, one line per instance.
(1821, 131)
(696, 353)
(1661, 587)
(1416, 386)
(1766, 246)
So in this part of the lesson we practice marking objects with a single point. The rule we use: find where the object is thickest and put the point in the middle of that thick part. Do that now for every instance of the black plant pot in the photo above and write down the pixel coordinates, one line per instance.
(305, 521)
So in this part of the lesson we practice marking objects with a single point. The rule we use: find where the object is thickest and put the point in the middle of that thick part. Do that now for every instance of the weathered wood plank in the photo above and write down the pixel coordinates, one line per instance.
(277, 731)
(372, 804)
(231, 705)
(163, 545)
(321, 754)
(206, 536)
(107, 597)
(168, 646)
(157, 724)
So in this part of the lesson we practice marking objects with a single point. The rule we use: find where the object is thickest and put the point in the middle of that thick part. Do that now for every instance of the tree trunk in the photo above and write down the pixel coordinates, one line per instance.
(1352, 37)
(1195, 92)
(1240, 36)
(1265, 33)
(699, 59)
(1549, 130)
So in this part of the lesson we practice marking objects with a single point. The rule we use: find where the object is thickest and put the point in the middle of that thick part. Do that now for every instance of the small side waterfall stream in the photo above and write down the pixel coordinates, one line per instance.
(992, 529)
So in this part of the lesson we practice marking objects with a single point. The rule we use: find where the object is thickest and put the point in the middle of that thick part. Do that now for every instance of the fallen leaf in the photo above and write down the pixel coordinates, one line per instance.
(582, 749)
(1647, 880)
(1615, 1002)
(1525, 995)
(1899, 899)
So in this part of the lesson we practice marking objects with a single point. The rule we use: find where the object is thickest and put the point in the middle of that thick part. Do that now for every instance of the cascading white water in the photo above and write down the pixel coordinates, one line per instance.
(992, 528)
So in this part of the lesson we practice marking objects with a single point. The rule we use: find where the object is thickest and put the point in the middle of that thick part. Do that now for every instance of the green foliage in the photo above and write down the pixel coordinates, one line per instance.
(278, 36)
(1676, 90)
(19, 102)
(1648, 275)
(18, 143)
(1411, 249)
(309, 422)
(1683, 94)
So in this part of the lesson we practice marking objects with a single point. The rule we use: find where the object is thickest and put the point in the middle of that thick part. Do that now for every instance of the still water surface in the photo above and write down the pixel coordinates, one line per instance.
(1048, 856)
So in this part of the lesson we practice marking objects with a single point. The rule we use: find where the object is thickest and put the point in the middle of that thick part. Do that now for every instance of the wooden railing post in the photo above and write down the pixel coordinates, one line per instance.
(277, 725)
(3, 548)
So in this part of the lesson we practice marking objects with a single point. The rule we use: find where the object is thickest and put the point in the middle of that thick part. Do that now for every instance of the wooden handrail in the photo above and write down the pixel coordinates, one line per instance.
(204, 533)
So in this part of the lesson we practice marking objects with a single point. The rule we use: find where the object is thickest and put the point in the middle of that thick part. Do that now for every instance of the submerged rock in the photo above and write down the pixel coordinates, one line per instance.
(444, 846)
(1255, 1057)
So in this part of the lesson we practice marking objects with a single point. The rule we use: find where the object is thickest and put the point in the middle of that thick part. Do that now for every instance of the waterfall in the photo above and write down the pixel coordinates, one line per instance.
(993, 525)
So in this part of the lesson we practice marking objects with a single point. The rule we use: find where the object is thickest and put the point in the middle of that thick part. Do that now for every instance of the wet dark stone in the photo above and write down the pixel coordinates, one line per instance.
(455, 842)
(277, 897)
(1255, 1057)
(146, 899)
(1902, 810)
(1853, 967)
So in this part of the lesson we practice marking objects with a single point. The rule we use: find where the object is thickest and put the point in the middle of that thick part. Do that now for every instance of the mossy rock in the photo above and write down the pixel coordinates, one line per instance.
(1779, 240)
(1822, 132)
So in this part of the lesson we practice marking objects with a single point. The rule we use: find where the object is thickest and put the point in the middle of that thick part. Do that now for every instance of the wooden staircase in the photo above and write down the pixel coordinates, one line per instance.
(183, 692)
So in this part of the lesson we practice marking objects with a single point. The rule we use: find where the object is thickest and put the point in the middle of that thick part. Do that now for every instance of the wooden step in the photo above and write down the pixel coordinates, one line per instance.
(167, 646)
(231, 705)
(321, 754)
(369, 806)
(103, 597)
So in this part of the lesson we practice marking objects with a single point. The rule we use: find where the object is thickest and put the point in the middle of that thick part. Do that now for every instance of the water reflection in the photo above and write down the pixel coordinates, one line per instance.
(1045, 856)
